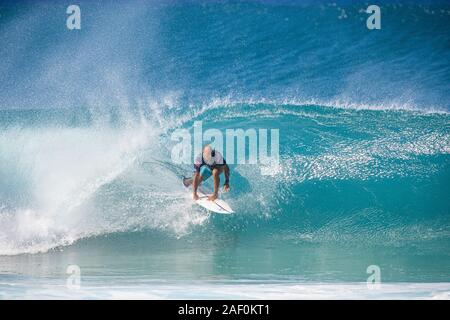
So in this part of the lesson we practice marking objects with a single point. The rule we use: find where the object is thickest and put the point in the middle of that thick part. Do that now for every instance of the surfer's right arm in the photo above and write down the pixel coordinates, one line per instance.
(196, 179)
(226, 185)
(195, 182)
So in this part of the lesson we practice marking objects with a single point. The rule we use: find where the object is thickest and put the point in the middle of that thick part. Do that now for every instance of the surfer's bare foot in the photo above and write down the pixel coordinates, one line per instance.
(212, 197)
(195, 196)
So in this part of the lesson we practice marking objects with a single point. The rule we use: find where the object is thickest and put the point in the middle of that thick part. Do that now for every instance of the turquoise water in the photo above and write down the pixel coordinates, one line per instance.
(86, 178)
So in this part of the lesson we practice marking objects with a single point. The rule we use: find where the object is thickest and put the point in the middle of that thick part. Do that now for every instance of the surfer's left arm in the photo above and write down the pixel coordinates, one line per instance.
(226, 171)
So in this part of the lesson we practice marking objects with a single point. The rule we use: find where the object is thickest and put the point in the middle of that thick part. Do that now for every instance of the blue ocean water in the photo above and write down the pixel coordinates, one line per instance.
(86, 177)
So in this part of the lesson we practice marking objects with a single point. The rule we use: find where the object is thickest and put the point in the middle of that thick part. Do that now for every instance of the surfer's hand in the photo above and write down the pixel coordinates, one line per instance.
(226, 187)
(195, 196)
(212, 197)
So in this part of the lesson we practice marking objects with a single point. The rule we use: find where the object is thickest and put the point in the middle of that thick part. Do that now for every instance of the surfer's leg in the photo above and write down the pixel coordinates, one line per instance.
(216, 175)
(205, 172)
(216, 180)
(196, 180)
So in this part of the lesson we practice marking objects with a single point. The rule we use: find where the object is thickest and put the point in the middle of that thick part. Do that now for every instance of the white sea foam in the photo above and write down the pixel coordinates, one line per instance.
(60, 171)
(238, 289)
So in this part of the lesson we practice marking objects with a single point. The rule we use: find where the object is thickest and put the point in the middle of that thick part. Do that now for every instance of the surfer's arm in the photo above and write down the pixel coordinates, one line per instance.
(196, 179)
(195, 183)
(226, 172)
(222, 163)
(198, 163)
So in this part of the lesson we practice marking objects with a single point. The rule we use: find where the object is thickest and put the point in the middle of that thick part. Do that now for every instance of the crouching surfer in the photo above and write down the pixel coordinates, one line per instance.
(209, 163)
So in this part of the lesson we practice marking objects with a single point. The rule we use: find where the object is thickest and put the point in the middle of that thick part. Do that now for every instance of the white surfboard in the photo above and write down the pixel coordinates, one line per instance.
(217, 206)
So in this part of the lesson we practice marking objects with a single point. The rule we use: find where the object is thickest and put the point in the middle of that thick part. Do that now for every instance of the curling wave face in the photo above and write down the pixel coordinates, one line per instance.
(343, 175)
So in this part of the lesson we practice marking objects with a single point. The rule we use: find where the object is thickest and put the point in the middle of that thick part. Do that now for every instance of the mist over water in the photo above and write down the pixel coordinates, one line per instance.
(86, 118)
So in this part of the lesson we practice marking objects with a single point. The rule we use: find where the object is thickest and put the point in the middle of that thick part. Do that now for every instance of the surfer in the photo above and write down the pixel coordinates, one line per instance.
(209, 163)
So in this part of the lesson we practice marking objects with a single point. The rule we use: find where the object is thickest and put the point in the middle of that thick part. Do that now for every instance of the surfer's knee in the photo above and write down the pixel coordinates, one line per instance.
(215, 173)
